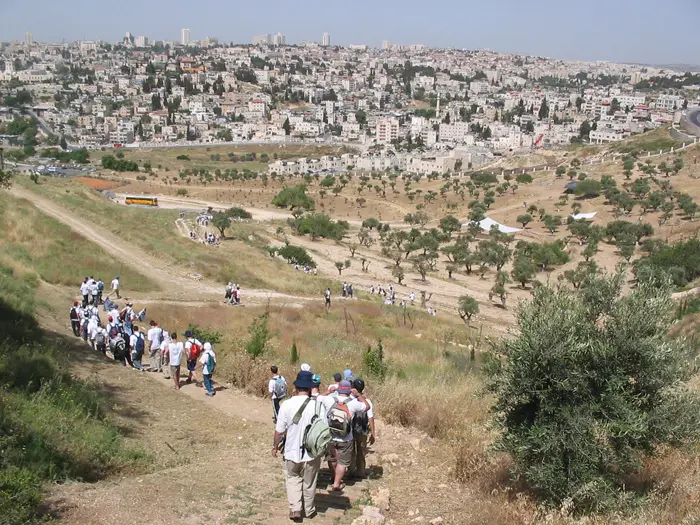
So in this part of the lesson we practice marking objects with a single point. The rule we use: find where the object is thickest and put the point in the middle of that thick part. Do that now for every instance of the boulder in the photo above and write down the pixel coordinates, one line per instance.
(370, 516)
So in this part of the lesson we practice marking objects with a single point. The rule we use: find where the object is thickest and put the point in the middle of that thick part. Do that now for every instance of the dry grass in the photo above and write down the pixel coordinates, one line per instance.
(35, 241)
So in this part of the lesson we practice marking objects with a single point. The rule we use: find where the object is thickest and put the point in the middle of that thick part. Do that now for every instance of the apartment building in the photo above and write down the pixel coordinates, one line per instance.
(387, 130)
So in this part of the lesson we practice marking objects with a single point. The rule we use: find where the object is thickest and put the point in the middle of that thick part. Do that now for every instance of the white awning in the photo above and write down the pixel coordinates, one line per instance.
(488, 222)
(582, 216)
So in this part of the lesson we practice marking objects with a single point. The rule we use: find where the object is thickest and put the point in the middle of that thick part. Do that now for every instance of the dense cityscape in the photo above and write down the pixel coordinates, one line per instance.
(411, 107)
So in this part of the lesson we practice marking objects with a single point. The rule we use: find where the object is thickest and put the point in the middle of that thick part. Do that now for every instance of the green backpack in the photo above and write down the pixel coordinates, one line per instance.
(317, 434)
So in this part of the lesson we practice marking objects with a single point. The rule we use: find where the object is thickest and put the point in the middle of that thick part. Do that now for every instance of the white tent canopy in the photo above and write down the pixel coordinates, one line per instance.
(488, 222)
(584, 216)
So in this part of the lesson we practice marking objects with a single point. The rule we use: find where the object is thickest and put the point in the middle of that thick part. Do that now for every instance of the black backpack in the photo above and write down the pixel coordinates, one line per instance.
(74, 314)
(360, 424)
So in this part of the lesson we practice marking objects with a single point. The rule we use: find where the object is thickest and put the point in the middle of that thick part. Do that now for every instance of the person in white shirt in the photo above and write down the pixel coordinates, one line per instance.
(301, 469)
(136, 357)
(208, 361)
(115, 286)
(277, 387)
(92, 329)
(164, 348)
(92, 286)
(175, 352)
(364, 433)
(193, 348)
(342, 447)
(85, 291)
(100, 340)
(155, 337)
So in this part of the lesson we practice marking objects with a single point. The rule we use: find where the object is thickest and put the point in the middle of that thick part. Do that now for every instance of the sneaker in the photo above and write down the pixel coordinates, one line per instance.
(296, 517)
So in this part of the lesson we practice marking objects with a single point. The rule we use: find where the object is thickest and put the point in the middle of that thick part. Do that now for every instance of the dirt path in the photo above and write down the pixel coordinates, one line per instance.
(175, 284)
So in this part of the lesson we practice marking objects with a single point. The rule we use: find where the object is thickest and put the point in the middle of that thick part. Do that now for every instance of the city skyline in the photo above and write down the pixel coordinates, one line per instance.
(628, 31)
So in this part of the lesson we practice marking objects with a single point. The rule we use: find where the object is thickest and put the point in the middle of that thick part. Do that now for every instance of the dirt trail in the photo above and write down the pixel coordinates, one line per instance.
(175, 284)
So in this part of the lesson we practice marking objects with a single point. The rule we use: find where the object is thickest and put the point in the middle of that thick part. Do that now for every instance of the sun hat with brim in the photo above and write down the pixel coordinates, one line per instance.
(304, 380)
(344, 387)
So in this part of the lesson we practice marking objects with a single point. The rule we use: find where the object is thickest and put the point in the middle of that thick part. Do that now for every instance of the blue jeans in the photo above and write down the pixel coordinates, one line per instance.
(208, 384)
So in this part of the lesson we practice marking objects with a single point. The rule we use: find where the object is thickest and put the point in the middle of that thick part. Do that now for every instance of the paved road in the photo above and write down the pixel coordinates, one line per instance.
(694, 117)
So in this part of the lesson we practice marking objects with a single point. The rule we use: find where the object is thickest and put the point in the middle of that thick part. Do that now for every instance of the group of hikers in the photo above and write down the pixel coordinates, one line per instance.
(313, 424)
(121, 337)
(232, 294)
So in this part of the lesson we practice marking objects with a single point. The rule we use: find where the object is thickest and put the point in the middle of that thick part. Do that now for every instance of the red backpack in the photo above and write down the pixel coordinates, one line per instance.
(195, 351)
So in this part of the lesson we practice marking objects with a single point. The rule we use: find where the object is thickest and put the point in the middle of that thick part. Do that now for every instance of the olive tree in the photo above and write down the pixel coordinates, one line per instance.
(590, 386)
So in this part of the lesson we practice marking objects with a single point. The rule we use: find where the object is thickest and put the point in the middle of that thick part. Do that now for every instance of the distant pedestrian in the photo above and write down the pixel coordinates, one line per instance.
(85, 291)
(193, 348)
(327, 296)
(115, 286)
(138, 346)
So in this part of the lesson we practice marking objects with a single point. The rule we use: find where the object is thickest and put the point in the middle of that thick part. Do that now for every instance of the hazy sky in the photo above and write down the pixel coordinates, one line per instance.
(651, 31)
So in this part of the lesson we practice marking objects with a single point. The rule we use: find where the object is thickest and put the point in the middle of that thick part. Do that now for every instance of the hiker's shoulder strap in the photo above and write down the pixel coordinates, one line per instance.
(297, 416)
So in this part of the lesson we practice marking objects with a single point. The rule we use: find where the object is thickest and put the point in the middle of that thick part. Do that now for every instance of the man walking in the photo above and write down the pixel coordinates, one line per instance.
(85, 291)
(155, 337)
(175, 351)
(327, 296)
(193, 348)
(278, 390)
(301, 469)
(363, 430)
(137, 344)
(115, 287)
(340, 415)
(208, 361)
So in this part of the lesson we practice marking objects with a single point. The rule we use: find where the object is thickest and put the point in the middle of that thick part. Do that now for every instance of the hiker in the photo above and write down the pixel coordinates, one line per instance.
(327, 296)
(138, 346)
(412, 297)
(127, 316)
(229, 293)
(350, 291)
(75, 313)
(237, 295)
(85, 291)
(92, 325)
(99, 338)
(92, 285)
(208, 361)
(337, 378)
(340, 415)
(155, 337)
(364, 433)
(100, 289)
(175, 351)
(164, 354)
(277, 386)
(300, 466)
(115, 287)
(193, 347)
(344, 289)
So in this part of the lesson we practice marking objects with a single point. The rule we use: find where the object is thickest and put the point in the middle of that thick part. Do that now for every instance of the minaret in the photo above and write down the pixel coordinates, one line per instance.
(437, 109)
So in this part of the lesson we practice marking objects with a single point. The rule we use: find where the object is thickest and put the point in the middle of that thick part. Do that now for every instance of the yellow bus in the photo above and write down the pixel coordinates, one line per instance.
(141, 201)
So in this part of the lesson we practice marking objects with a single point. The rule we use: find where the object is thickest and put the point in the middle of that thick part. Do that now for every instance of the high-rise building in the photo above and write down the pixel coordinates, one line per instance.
(141, 41)
(326, 40)
(262, 40)
(185, 37)
(280, 39)
(28, 39)
(386, 45)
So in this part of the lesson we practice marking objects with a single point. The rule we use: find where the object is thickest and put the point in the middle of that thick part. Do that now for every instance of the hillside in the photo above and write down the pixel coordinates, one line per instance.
(207, 460)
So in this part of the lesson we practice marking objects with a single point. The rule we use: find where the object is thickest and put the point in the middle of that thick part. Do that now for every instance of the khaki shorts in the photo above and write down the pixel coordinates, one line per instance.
(174, 370)
(341, 451)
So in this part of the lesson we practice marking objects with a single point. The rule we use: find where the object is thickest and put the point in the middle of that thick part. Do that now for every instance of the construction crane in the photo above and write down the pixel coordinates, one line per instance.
(537, 145)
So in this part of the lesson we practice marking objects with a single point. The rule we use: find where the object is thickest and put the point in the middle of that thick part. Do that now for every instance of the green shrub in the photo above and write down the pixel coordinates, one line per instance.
(591, 385)
(373, 361)
(259, 336)
(205, 334)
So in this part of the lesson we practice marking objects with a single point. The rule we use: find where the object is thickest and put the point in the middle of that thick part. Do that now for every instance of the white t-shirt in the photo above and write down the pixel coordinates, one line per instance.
(271, 385)
(155, 336)
(84, 289)
(204, 360)
(295, 433)
(353, 405)
(176, 350)
(92, 328)
(188, 345)
(115, 284)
